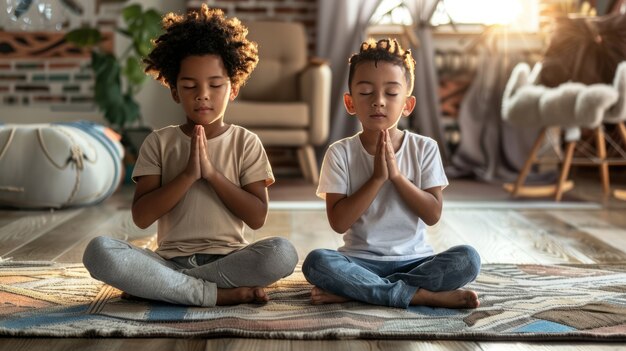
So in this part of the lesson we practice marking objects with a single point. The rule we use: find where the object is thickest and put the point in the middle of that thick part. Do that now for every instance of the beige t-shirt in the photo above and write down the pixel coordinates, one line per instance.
(200, 223)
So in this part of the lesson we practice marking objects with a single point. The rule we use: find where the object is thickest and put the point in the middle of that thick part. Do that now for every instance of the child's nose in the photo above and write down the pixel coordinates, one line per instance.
(203, 94)
(378, 101)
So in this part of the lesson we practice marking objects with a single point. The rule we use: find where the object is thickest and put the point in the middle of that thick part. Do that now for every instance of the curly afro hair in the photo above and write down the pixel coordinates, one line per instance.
(387, 50)
(202, 32)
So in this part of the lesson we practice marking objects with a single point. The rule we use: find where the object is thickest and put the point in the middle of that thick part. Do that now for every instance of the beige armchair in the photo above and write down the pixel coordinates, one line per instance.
(286, 101)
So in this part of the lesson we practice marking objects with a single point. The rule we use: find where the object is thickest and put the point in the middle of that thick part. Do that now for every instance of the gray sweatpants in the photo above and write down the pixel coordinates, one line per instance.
(187, 280)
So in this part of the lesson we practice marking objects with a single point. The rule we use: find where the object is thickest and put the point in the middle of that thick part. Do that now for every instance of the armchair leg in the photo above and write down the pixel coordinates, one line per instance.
(604, 166)
(308, 163)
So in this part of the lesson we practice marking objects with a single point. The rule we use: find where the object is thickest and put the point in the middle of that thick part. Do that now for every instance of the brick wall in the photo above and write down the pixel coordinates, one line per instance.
(304, 11)
(38, 69)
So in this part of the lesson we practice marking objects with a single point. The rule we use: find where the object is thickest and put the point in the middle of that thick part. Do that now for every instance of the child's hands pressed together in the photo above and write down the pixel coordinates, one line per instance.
(199, 166)
(207, 170)
(381, 172)
(385, 166)
(390, 158)
(193, 165)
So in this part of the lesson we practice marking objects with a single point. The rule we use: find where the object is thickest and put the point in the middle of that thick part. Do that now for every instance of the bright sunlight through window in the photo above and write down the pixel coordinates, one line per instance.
(521, 15)
(392, 12)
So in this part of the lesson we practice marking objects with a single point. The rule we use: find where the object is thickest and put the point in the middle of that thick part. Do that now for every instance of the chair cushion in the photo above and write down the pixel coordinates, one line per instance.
(267, 114)
(283, 55)
(57, 165)
(282, 137)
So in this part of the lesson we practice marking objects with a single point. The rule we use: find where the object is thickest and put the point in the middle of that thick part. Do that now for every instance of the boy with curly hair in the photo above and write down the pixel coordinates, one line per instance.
(382, 187)
(202, 180)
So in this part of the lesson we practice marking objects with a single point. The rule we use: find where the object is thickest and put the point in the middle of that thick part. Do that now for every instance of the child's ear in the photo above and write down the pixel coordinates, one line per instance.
(234, 91)
(409, 105)
(347, 101)
(175, 96)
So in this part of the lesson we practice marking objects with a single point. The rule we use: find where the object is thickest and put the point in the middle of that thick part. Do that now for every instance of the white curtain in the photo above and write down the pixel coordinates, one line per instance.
(490, 149)
(426, 118)
(341, 28)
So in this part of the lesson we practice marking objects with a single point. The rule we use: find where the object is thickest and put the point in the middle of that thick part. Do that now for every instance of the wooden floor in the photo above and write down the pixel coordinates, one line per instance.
(503, 234)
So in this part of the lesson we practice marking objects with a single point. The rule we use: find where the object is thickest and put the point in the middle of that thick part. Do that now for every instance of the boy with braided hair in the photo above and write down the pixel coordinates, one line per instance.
(201, 180)
(382, 187)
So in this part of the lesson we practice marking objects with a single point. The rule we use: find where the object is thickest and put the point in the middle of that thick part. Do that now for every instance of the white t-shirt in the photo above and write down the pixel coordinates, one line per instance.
(388, 230)
(200, 223)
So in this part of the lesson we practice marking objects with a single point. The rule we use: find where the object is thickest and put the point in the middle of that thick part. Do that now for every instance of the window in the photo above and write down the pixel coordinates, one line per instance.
(392, 12)
(518, 15)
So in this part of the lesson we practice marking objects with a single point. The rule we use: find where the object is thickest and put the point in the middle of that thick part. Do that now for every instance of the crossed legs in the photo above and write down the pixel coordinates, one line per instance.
(432, 281)
(145, 274)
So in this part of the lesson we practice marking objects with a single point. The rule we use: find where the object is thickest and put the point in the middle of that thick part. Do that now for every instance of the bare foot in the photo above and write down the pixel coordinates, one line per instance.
(239, 295)
(319, 297)
(449, 299)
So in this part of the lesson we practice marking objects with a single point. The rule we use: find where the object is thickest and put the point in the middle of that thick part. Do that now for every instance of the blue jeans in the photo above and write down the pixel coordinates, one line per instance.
(390, 283)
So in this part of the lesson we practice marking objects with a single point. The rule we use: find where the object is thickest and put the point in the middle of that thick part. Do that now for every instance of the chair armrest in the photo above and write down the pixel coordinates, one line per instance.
(315, 90)
(317, 61)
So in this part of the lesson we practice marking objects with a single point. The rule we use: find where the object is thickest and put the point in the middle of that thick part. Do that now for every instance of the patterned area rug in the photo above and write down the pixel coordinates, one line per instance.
(519, 302)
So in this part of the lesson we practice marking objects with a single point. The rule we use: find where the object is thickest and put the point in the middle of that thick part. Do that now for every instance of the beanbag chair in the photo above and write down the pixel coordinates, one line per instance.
(57, 165)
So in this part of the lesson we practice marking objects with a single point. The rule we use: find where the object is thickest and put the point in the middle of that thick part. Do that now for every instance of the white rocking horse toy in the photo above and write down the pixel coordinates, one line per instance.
(568, 107)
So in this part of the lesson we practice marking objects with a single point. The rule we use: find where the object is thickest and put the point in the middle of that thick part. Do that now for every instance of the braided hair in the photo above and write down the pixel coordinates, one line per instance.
(387, 50)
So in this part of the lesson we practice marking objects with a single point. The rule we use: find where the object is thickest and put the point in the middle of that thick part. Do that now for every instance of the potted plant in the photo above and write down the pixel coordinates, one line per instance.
(117, 79)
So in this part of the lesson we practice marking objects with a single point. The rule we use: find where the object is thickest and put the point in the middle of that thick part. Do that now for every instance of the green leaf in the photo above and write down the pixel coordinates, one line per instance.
(153, 17)
(123, 112)
(131, 12)
(106, 68)
(84, 37)
(108, 87)
(106, 95)
(132, 109)
(134, 71)
(115, 114)
(143, 28)
(143, 47)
